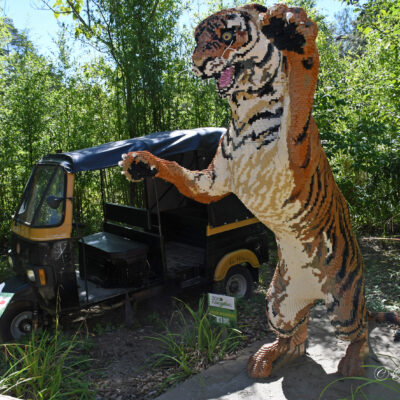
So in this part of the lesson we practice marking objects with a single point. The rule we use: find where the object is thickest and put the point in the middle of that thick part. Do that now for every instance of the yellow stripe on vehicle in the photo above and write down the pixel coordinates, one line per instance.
(234, 225)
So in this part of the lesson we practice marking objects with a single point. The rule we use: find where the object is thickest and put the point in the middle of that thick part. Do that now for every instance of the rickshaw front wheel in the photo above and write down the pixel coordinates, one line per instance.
(16, 321)
(237, 283)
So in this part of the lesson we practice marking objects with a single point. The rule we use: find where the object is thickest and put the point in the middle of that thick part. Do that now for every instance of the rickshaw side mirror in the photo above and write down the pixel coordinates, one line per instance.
(54, 201)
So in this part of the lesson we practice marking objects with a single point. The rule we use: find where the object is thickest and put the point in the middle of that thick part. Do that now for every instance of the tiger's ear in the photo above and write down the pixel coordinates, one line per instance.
(288, 28)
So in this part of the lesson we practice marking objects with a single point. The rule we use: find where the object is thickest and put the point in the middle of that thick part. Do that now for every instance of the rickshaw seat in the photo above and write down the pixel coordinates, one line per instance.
(131, 222)
(109, 243)
(133, 216)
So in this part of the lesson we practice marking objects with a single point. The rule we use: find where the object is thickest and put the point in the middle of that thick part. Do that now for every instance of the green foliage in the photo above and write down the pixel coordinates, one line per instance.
(144, 84)
(60, 105)
(5, 269)
(46, 367)
(141, 41)
(357, 110)
(5, 35)
(199, 343)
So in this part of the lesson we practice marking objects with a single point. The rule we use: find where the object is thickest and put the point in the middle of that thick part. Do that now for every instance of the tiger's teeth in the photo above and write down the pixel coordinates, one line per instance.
(289, 15)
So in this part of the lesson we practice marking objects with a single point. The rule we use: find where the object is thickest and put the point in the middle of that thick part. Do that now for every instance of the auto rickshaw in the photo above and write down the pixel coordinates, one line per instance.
(172, 242)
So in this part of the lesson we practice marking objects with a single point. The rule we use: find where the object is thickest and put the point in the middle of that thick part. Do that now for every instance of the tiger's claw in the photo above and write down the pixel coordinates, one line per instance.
(137, 165)
(293, 15)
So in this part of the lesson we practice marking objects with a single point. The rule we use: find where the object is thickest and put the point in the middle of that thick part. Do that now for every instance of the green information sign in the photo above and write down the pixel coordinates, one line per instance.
(5, 298)
(223, 308)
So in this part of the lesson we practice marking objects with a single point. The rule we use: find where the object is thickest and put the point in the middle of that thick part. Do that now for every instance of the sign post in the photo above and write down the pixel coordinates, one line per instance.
(223, 308)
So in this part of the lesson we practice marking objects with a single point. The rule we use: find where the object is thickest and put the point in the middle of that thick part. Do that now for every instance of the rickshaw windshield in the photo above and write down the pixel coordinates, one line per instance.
(43, 201)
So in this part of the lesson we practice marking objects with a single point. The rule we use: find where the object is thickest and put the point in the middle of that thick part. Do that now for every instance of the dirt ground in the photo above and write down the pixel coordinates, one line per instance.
(122, 354)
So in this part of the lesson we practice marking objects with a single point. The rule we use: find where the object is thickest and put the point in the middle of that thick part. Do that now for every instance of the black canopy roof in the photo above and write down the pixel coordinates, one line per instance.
(161, 144)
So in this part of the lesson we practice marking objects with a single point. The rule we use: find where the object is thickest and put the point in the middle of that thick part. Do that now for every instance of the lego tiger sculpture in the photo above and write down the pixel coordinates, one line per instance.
(265, 63)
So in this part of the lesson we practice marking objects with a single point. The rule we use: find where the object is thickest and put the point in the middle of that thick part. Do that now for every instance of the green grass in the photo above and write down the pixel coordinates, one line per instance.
(46, 367)
(199, 343)
(388, 383)
(154, 319)
(387, 378)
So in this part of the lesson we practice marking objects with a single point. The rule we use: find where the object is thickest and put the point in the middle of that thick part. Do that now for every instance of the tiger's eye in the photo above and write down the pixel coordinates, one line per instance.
(227, 36)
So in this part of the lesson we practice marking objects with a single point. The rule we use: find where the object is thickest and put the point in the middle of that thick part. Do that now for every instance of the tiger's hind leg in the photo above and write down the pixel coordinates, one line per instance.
(349, 319)
(357, 352)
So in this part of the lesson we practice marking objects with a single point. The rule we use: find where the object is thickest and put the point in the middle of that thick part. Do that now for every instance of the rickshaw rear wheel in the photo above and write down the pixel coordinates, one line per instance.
(237, 283)
(16, 322)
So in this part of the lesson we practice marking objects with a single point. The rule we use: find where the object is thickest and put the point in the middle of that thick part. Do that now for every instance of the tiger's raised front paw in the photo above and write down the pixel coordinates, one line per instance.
(296, 16)
(290, 29)
(137, 165)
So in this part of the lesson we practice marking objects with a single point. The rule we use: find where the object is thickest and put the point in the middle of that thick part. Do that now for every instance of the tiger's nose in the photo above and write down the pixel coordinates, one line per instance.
(196, 67)
(196, 56)
(197, 62)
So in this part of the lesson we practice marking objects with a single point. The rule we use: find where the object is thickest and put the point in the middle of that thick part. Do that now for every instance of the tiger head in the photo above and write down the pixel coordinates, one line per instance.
(242, 47)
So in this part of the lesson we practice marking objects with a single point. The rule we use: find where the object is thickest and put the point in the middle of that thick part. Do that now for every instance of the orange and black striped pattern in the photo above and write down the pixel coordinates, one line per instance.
(265, 63)
(392, 318)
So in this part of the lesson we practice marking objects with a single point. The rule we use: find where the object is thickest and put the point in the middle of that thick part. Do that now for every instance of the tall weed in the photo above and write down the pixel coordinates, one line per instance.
(199, 343)
(48, 366)
(386, 378)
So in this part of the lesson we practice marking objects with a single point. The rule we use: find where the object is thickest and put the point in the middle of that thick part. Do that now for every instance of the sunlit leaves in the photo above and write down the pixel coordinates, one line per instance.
(5, 35)
(358, 111)
(67, 7)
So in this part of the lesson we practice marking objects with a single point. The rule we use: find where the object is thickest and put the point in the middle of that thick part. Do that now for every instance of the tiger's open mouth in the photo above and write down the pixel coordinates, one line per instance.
(224, 78)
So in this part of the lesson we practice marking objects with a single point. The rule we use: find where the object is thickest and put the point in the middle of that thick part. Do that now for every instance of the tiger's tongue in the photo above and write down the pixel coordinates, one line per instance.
(225, 77)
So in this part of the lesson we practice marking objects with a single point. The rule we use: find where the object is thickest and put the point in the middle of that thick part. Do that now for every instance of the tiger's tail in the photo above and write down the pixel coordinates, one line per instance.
(386, 317)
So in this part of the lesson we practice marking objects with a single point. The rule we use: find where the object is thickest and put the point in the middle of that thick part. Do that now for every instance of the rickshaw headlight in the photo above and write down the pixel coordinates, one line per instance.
(31, 275)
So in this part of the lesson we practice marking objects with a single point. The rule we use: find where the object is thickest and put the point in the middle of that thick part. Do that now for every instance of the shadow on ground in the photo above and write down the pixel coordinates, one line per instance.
(304, 379)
